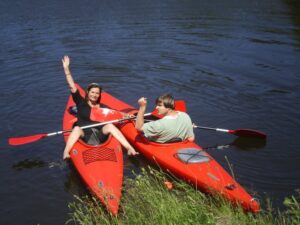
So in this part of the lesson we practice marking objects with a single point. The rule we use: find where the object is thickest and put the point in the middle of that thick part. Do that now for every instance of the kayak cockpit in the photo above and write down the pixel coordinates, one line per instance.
(94, 133)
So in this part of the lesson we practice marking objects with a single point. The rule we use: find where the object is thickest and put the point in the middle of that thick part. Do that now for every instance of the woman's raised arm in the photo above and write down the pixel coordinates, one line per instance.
(69, 78)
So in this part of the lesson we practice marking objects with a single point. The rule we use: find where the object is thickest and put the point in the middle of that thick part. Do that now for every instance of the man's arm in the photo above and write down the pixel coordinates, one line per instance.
(140, 116)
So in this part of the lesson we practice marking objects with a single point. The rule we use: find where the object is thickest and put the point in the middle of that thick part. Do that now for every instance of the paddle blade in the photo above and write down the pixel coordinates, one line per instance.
(248, 133)
(25, 140)
(155, 113)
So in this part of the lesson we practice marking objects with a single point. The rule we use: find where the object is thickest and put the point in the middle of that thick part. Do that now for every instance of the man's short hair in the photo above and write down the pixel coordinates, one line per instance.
(167, 100)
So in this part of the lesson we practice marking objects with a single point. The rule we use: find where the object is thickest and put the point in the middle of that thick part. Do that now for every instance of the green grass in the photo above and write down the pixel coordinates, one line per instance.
(146, 200)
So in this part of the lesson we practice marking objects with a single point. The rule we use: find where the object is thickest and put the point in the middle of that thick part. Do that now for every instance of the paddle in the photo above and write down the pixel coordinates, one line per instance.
(180, 106)
(238, 132)
(36, 137)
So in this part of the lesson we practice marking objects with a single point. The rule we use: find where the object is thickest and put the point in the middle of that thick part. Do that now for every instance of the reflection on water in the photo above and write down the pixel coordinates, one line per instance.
(29, 164)
(36, 163)
(241, 143)
(245, 143)
(73, 183)
(61, 164)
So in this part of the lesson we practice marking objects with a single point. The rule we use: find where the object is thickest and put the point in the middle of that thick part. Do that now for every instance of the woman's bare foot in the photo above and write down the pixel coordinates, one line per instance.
(66, 156)
(132, 152)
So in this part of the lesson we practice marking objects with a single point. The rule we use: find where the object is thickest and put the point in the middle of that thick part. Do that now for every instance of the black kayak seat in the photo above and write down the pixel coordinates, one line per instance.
(192, 155)
(92, 139)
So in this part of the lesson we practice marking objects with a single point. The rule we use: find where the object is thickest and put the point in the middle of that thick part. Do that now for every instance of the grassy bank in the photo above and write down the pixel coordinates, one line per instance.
(148, 200)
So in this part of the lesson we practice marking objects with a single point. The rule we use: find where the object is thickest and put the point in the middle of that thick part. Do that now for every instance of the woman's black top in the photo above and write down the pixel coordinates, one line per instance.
(94, 135)
(83, 110)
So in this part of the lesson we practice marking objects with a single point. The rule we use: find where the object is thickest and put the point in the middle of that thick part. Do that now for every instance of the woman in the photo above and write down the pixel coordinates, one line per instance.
(84, 107)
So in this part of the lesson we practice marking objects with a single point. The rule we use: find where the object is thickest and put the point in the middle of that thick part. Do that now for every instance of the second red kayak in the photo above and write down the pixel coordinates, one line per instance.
(187, 161)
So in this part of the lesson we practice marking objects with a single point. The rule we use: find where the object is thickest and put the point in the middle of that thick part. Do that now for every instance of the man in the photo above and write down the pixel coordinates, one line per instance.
(174, 126)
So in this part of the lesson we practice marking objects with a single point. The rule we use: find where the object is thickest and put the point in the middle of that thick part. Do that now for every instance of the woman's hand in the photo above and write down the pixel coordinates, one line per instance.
(66, 62)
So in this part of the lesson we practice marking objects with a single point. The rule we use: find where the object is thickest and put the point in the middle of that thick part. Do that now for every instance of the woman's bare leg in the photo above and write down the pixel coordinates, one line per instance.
(114, 131)
(74, 136)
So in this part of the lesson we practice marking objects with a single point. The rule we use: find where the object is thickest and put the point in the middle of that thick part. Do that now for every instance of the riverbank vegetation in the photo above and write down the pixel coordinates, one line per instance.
(151, 198)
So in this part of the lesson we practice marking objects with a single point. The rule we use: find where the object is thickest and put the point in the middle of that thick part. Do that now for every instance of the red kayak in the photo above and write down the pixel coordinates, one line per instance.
(187, 161)
(100, 166)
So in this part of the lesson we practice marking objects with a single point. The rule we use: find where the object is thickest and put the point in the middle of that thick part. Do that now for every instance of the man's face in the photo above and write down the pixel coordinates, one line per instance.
(162, 110)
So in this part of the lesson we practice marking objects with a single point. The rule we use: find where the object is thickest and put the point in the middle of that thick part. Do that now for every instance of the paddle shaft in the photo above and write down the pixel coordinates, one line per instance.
(96, 125)
(33, 138)
(211, 128)
(237, 132)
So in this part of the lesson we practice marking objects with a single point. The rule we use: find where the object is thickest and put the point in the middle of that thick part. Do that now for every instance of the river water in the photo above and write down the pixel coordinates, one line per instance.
(235, 63)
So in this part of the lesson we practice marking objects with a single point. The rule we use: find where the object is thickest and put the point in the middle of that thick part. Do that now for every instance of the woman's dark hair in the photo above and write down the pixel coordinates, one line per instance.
(167, 100)
(94, 85)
